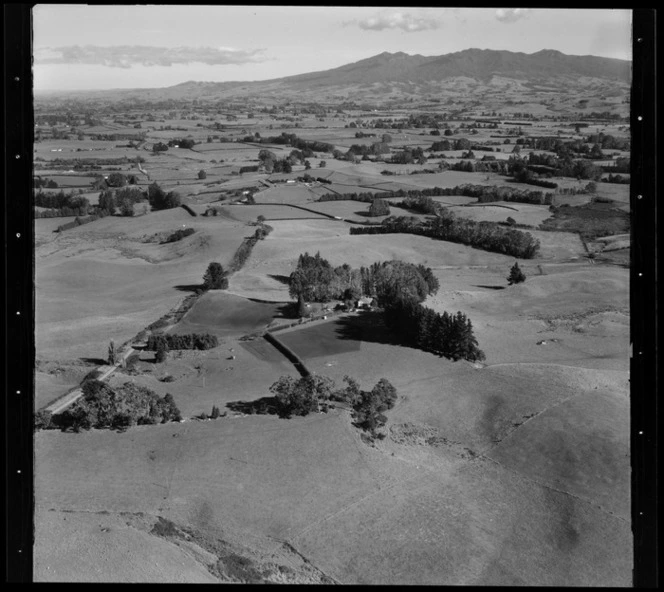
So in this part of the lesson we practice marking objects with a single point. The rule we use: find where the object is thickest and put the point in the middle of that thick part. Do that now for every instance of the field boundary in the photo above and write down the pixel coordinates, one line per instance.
(289, 353)
(188, 209)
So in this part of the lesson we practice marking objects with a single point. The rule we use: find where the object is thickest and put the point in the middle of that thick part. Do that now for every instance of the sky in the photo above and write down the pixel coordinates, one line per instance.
(92, 47)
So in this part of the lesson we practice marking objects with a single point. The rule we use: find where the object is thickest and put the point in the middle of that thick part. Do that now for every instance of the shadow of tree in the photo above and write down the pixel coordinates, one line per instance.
(288, 310)
(190, 287)
(366, 326)
(94, 361)
(369, 326)
(489, 287)
(262, 406)
(282, 279)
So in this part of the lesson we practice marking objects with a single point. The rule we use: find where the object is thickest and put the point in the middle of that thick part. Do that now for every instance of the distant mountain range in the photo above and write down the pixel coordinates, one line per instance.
(399, 75)
(480, 64)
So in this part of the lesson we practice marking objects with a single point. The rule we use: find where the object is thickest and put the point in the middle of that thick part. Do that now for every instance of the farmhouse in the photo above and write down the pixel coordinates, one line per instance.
(365, 302)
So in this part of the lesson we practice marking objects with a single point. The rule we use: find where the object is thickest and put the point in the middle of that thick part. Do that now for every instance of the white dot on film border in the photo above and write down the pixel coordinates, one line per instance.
(639, 118)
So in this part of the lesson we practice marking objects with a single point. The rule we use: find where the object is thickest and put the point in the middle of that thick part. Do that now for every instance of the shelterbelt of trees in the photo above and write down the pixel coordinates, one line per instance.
(308, 147)
(399, 289)
(483, 193)
(488, 236)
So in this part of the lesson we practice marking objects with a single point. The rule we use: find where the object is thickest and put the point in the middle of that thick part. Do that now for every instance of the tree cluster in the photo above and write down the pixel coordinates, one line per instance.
(608, 142)
(123, 199)
(186, 143)
(272, 164)
(312, 393)
(61, 200)
(447, 335)
(103, 407)
(215, 277)
(308, 147)
(170, 341)
(116, 180)
(178, 235)
(617, 179)
(315, 280)
(39, 182)
(621, 165)
(409, 156)
(301, 396)
(160, 200)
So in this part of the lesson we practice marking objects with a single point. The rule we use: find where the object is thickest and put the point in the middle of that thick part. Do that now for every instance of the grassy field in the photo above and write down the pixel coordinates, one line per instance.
(511, 472)
(249, 213)
(278, 253)
(225, 315)
(533, 215)
(232, 480)
(100, 281)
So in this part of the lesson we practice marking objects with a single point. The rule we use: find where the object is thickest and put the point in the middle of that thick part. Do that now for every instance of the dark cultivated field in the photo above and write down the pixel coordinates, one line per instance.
(319, 340)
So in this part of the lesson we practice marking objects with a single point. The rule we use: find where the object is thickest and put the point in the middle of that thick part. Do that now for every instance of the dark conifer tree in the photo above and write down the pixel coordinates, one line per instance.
(516, 276)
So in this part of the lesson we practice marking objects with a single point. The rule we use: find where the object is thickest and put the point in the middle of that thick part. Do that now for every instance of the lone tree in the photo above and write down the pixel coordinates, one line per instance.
(379, 207)
(162, 351)
(202, 174)
(116, 180)
(516, 276)
(301, 307)
(215, 277)
(113, 354)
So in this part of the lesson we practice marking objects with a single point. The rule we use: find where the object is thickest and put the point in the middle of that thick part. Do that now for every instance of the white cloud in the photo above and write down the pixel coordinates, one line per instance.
(510, 15)
(395, 19)
(126, 56)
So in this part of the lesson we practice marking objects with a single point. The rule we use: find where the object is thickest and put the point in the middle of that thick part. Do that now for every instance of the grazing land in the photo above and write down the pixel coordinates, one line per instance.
(510, 470)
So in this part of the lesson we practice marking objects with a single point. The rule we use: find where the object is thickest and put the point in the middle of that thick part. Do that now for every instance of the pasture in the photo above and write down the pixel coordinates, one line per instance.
(532, 215)
(511, 472)
(227, 315)
(438, 499)
(278, 253)
(100, 281)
